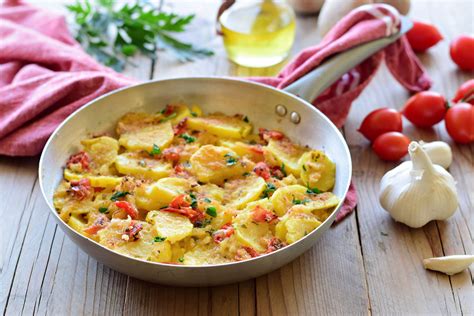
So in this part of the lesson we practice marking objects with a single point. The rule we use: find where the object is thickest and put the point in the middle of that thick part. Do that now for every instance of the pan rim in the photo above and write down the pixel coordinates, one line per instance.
(191, 78)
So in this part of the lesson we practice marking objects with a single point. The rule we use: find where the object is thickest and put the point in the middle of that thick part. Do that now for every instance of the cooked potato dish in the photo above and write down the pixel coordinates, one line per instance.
(184, 188)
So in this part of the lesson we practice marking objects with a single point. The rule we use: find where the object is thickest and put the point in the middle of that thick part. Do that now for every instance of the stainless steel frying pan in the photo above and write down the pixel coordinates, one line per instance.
(265, 106)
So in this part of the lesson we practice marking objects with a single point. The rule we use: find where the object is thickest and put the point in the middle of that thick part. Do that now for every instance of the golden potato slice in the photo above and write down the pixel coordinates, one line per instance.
(296, 224)
(134, 121)
(285, 197)
(146, 139)
(161, 252)
(317, 170)
(196, 111)
(253, 152)
(179, 113)
(77, 223)
(239, 192)
(142, 167)
(171, 226)
(161, 193)
(285, 154)
(102, 151)
(96, 181)
(220, 125)
(204, 255)
(211, 191)
(251, 233)
(214, 164)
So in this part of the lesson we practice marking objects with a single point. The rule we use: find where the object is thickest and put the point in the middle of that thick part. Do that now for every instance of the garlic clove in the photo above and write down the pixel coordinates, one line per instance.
(449, 264)
(439, 152)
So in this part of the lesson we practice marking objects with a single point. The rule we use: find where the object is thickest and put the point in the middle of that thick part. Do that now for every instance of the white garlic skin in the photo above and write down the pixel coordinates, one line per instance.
(449, 264)
(418, 191)
(439, 152)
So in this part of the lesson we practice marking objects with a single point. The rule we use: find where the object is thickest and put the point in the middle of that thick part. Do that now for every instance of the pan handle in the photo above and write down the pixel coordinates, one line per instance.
(311, 85)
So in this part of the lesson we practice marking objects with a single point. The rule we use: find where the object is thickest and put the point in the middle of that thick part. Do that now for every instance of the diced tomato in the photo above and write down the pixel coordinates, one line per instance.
(274, 244)
(133, 230)
(193, 215)
(252, 252)
(98, 224)
(169, 109)
(262, 170)
(257, 149)
(81, 189)
(172, 154)
(277, 173)
(180, 128)
(180, 171)
(261, 215)
(128, 208)
(224, 232)
(180, 201)
(266, 134)
(81, 157)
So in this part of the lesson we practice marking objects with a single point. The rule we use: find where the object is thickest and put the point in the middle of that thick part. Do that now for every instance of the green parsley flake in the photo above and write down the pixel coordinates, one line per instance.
(313, 191)
(194, 114)
(304, 167)
(270, 189)
(211, 211)
(194, 202)
(103, 210)
(283, 169)
(187, 138)
(169, 117)
(246, 119)
(155, 151)
(207, 200)
(119, 194)
(159, 239)
(181, 259)
(230, 161)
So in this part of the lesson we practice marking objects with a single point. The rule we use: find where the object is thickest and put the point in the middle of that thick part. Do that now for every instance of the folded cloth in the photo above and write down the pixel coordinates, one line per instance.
(45, 75)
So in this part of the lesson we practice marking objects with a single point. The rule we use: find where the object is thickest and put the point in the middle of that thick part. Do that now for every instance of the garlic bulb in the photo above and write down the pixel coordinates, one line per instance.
(306, 6)
(418, 191)
(449, 264)
(334, 10)
(439, 153)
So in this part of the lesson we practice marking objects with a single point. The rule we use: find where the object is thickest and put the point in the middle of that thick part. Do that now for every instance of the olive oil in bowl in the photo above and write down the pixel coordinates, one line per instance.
(259, 33)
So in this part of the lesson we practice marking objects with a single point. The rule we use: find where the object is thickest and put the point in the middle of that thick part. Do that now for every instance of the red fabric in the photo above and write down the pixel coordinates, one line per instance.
(45, 75)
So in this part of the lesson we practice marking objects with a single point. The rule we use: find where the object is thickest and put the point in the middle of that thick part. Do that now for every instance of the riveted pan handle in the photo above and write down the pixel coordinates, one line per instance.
(311, 85)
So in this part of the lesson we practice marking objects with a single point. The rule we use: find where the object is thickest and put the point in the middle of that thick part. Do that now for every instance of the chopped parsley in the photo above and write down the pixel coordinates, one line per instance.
(283, 169)
(230, 161)
(246, 174)
(169, 117)
(103, 210)
(211, 211)
(187, 138)
(181, 259)
(313, 191)
(246, 119)
(270, 189)
(194, 202)
(159, 239)
(155, 151)
(304, 167)
(119, 194)
(296, 201)
(207, 200)
(194, 114)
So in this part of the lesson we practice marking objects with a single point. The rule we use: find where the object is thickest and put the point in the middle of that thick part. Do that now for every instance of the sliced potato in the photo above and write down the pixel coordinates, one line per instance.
(134, 121)
(220, 125)
(211, 191)
(203, 255)
(161, 252)
(77, 223)
(96, 181)
(160, 135)
(214, 164)
(239, 192)
(296, 224)
(250, 233)
(180, 112)
(285, 197)
(317, 170)
(171, 226)
(160, 193)
(253, 152)
(196, 111)
(284, 154)
(142, 167)
(102, 151)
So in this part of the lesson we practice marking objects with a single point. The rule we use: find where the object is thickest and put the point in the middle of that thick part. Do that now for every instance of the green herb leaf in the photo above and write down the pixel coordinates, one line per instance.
(207, 200)
(187, 138)
(211, 211)
(230, 161)
(283, 169)
(270, 189)
(169, 117)
(155, 151)
(194, 114)
(313, 191)
(159, 239)
(181, 259)
(119, 194)
(194, 202)
(103, 210)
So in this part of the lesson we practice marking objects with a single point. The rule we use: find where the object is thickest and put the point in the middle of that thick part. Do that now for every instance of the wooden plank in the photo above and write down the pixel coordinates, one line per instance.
(400, 284)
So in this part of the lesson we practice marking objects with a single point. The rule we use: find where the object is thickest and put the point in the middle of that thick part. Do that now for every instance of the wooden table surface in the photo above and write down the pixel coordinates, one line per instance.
(366, 264)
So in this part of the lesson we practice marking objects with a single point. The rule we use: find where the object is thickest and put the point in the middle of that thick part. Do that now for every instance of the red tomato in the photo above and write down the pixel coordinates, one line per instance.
(81, 189)
(391, 146)
(128, 208)
(180, 201)
(425, 109)
(460, 123)
(193, 215)
(423, 36)
(81, 157)
(465, 92)
(266, 134)
(262, 215)
(262, 170)
(224, 232)
(462, 52)
(252, 252)
(380, 121)
(133, 230)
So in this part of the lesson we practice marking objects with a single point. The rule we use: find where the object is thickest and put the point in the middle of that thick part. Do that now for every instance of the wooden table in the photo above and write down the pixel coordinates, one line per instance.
(366, 264)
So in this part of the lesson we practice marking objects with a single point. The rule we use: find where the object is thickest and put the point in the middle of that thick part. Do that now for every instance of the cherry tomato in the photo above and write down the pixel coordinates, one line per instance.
(460, 123)
(128, 208)
(380, 121)
(425, 109)
(391, 146)
(462, 52)
(423, 36)
(465, 92)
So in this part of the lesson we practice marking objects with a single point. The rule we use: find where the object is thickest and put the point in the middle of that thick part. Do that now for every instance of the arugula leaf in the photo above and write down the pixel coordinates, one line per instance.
(114, 31)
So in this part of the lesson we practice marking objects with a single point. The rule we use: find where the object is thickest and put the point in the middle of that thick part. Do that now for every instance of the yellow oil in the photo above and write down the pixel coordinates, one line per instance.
(259, 33)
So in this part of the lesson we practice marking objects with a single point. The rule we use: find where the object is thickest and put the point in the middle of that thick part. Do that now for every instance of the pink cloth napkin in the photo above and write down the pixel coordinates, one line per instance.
(45, 75)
